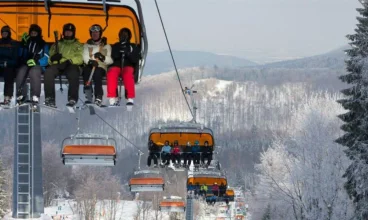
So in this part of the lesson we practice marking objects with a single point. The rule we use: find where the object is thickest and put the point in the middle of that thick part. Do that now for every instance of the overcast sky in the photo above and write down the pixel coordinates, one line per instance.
(261, 30)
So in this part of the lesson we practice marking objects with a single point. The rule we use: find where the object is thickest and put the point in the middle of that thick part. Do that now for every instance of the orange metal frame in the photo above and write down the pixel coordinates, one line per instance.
(89, 150)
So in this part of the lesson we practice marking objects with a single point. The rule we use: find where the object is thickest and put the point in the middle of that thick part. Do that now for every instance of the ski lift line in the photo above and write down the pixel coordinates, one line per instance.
(113, 128)
(172, 57)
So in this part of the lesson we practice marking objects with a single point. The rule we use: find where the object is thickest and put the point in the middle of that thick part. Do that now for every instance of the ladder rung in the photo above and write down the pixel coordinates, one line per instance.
(27, 213)
(23, 113)
(23, 153)
(23, 193)
(23, 183)
(23, 133)
(23, 123)
(23, 203)
(23, 144)
(23, 173)
(23, 163)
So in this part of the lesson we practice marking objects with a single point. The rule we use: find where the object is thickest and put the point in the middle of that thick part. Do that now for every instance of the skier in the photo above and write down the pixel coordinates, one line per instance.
(8, 62)
(165, 153)
(175, 154)
(66, 60)
(125, 55)
(196, 152)
(154, 153)
(97, 56)
(206, 154)
(187, 155)
(34, 58)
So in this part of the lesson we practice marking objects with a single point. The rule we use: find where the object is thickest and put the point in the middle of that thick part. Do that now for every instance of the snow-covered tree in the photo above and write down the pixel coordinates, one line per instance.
(356, 136)
(3, 194)
(301, 176)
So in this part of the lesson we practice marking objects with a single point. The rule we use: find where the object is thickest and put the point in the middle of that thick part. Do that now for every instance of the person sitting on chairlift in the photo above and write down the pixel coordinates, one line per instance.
(222, 189)
(175, 154)
(215, 189)
(154, 153)
(66, 56)
(165, 153)
(203, 191)
(207, 154)
(187, 155)
(97, 56)
(127, 55)
(9, 50)
(34, 58)
(196, 152)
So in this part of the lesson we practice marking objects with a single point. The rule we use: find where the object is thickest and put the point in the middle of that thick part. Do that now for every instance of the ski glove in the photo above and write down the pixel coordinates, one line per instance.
(125, 48)
(100, 56)
(56, 57)
(25, 38)
(93, 63)
(31, 62)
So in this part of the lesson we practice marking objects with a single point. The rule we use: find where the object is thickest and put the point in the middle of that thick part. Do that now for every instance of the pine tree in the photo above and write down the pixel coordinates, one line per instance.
(356, 126)
(3, 194)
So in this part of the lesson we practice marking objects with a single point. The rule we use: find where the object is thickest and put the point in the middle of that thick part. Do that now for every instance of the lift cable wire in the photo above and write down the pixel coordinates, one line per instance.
(110, 127)
(172, 57)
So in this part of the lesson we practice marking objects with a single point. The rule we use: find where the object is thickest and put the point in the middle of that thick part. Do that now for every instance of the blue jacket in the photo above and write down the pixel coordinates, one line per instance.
(37, 50)
(195, 149)
(9, 50)
(166, 149)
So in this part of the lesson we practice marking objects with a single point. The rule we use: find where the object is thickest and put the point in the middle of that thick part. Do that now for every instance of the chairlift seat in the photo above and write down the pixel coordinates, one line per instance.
(172, 206)
(147, 181)
(89, 149)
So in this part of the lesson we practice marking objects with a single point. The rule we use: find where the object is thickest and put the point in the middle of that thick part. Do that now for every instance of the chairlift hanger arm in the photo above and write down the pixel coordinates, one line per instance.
(47, 8)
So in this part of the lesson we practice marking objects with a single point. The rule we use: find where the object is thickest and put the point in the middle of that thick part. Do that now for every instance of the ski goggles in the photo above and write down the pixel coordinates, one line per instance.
(95, 28)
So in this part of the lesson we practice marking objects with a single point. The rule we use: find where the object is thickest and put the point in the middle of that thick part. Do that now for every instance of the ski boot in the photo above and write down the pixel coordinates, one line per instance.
(50, 102)
(20, 100)
(114, 102)
(34, 103)
(88, 94)
(130, 104)
(6, 103)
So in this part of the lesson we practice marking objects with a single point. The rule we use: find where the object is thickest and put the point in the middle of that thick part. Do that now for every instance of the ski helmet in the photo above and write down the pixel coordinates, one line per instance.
(6, 28)
(36, 28)
(69, 27)
(94, 28)
(121, 34)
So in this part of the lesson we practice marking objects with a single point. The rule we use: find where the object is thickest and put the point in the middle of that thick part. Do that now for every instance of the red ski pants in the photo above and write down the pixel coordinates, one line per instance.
(128, 80)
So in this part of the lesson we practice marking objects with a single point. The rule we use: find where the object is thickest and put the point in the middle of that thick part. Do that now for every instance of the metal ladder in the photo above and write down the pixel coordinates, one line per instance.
(189, 209)
(24, 157)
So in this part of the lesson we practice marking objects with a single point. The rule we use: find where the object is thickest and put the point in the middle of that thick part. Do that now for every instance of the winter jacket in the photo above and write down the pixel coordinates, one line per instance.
(37, 50)
(90, 48)
(9, 50)
(153, 148)
(188, 149)
(207, 149)
(215, 188)
(176, 150)
(166, 149)
(190, 187)
(70, 49)
(204, 188)
(130, 59)
(195, 149)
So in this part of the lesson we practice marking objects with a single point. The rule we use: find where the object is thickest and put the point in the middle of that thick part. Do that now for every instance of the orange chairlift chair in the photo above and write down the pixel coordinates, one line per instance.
(88, 149)
(146, 180)
(172, 204)
(51, 15)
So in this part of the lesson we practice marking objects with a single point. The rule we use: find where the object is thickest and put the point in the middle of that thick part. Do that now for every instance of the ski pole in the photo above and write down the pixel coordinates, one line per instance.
(88, 83)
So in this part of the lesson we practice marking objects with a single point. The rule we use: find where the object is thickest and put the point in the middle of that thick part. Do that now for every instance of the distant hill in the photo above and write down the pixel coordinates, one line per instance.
(332, 60)
(159, 62)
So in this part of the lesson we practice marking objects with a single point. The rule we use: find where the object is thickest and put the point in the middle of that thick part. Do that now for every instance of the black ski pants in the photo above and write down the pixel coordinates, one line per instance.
(187, 157)
(72, 74)
(196, 157)
(175, 157)
(208, 156)
(97, 79)
(153, 156)
(34, 73)
(9, 76)
(165, 158)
